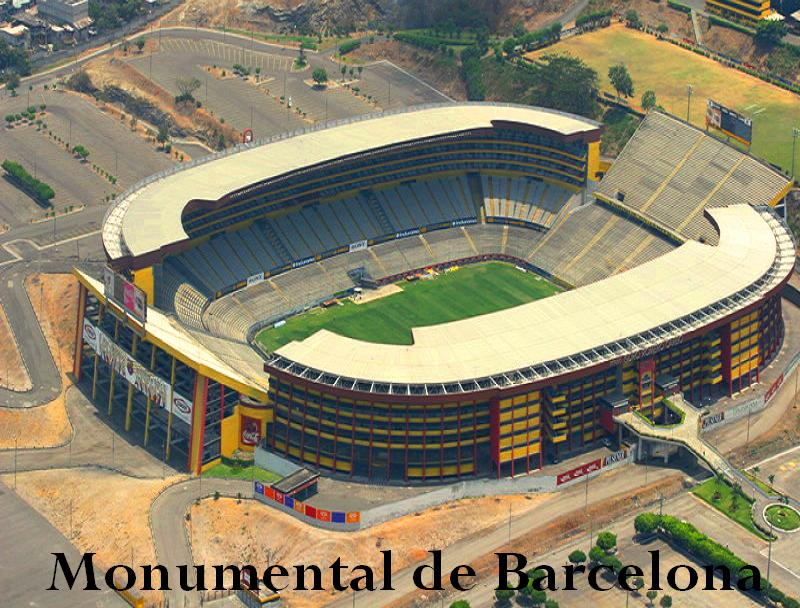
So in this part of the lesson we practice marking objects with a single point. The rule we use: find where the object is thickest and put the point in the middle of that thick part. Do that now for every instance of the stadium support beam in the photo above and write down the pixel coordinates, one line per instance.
(78, 352)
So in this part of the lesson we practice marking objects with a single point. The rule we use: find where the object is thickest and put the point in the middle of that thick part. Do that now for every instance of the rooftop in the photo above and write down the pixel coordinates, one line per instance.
(625, 313)
(148, 216)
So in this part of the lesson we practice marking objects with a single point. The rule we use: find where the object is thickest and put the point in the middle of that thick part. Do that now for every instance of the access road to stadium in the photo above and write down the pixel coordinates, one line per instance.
(31, 539)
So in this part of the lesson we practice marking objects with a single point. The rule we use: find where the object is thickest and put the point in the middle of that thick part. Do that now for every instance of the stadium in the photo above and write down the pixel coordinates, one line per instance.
(445, 291)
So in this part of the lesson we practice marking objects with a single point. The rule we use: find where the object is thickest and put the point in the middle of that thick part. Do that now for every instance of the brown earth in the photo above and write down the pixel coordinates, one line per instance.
(441, 72)
(225, 531)
(544, 539)
(98, 511)
(55, 301)
(109, 70)
(13, 374)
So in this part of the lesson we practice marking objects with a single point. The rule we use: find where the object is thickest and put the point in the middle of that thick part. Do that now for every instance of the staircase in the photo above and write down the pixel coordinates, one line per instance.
(275, 242)
(376, 208)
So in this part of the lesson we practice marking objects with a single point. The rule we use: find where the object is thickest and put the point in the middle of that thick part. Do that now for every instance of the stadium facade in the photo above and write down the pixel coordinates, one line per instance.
(673, 262)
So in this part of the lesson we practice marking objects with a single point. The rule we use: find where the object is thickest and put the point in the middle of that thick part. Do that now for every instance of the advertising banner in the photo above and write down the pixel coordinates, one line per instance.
(358, 246)
(156, 389)
(125, 294)
(584, 469)
(90, 334)
(251, 431)
(181, 407)
(255, 279)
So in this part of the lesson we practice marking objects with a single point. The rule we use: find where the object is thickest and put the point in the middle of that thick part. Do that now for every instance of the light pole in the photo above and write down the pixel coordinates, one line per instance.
(769, 553)
(689, 90)
(795, 135)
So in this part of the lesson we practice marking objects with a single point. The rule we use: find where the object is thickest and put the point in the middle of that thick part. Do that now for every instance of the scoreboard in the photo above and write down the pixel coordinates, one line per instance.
(730, 122)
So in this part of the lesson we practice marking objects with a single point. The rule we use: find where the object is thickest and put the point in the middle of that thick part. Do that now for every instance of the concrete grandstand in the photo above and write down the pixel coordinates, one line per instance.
(672, 262)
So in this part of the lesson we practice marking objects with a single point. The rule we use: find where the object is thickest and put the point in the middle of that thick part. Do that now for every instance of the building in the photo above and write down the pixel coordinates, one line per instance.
(68, 12)
(742, 10)
(16, 35)
(673, 265)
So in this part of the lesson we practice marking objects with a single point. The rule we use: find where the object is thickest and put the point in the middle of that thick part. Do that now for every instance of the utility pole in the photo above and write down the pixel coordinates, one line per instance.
(795, 135)
(509, 522)
(689, 90)
(586, 501)
(769, 553)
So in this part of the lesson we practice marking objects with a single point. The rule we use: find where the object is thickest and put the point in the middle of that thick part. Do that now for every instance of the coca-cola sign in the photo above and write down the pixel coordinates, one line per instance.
(182, 407)
(251, 431)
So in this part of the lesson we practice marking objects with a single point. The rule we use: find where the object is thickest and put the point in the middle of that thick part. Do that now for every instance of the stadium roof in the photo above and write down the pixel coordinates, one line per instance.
(693, 282)
(148, 216)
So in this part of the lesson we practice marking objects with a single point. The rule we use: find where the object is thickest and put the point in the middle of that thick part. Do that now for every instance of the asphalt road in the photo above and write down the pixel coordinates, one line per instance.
(26, 564)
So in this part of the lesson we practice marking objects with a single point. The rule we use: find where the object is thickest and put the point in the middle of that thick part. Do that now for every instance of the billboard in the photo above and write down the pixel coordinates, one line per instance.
(251, 431)
(155, 388)
(125, 294)
(730, 122)
(267, 494)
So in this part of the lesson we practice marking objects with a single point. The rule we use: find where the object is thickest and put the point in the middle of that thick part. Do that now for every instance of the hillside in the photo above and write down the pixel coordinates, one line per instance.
(351, 15)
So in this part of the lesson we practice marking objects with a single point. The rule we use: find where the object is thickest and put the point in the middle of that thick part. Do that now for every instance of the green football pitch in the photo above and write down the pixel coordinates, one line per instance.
(466, 292)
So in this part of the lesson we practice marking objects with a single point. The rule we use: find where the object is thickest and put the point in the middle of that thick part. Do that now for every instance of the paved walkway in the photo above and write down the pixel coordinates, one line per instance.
(687, 434)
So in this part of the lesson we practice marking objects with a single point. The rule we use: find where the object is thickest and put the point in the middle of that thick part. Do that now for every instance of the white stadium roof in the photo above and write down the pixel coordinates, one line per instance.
(695, 280)
(148, 216)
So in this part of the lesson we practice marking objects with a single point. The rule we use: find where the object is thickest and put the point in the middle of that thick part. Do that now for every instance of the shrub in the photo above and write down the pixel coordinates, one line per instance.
(27, 182)
(607, 541)
(349, 46)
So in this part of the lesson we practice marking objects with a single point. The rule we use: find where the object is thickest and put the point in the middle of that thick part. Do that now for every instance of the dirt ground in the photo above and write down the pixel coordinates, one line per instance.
(13, 374)
(435, 69)
(97, 511)
(112, 70)
(55, 301)
(248, 532)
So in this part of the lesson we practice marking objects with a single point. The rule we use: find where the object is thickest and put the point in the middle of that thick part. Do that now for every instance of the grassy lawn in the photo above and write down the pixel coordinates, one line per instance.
(466, 292)
(667, 69)
(225, 471)
(783, 517)
(724, 499)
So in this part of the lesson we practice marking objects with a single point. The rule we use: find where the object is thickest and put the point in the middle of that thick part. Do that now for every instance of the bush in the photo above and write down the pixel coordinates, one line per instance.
(607, 541)
(27, 182)
(679, 6)
(349, 46)
(593, 18)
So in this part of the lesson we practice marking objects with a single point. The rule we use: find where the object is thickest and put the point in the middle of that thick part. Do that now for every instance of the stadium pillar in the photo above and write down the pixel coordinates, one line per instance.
(169, 416)
(78, 356)
(150, 401)
(198, 424)
(129, 404)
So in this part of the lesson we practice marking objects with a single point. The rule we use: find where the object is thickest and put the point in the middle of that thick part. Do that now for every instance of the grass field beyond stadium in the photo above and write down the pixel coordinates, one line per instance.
(667, 69)
(465, 292)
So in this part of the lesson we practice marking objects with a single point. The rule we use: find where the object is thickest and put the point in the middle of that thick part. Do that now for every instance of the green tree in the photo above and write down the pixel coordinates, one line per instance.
(12, 81)
(566, 83)
(638, 583)
(163, 134)
(606, 541)
(596, 554)
(666, 602)
(551, 604)
(632, 19)
(320, 76)
(651, 596)
(81, 152)
(460, 604)
(621, 80)
(140, 43)
(648, 100)
(503, 596)
(577, 557)
(343, 70)
(769, 32)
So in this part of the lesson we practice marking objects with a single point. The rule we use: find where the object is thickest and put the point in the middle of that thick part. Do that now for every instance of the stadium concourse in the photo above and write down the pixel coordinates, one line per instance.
(672, 265)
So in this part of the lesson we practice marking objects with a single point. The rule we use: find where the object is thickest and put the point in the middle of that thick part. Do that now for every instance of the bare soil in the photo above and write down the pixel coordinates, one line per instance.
(441, 72)
(230, 532)
(55, 301)
(13, 374)
(98, 511)
(197, 121)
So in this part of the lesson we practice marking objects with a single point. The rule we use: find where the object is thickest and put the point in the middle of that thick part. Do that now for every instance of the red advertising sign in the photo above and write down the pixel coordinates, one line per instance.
(774, 388)
(580, 471)
(323, 515)
(251, 431)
